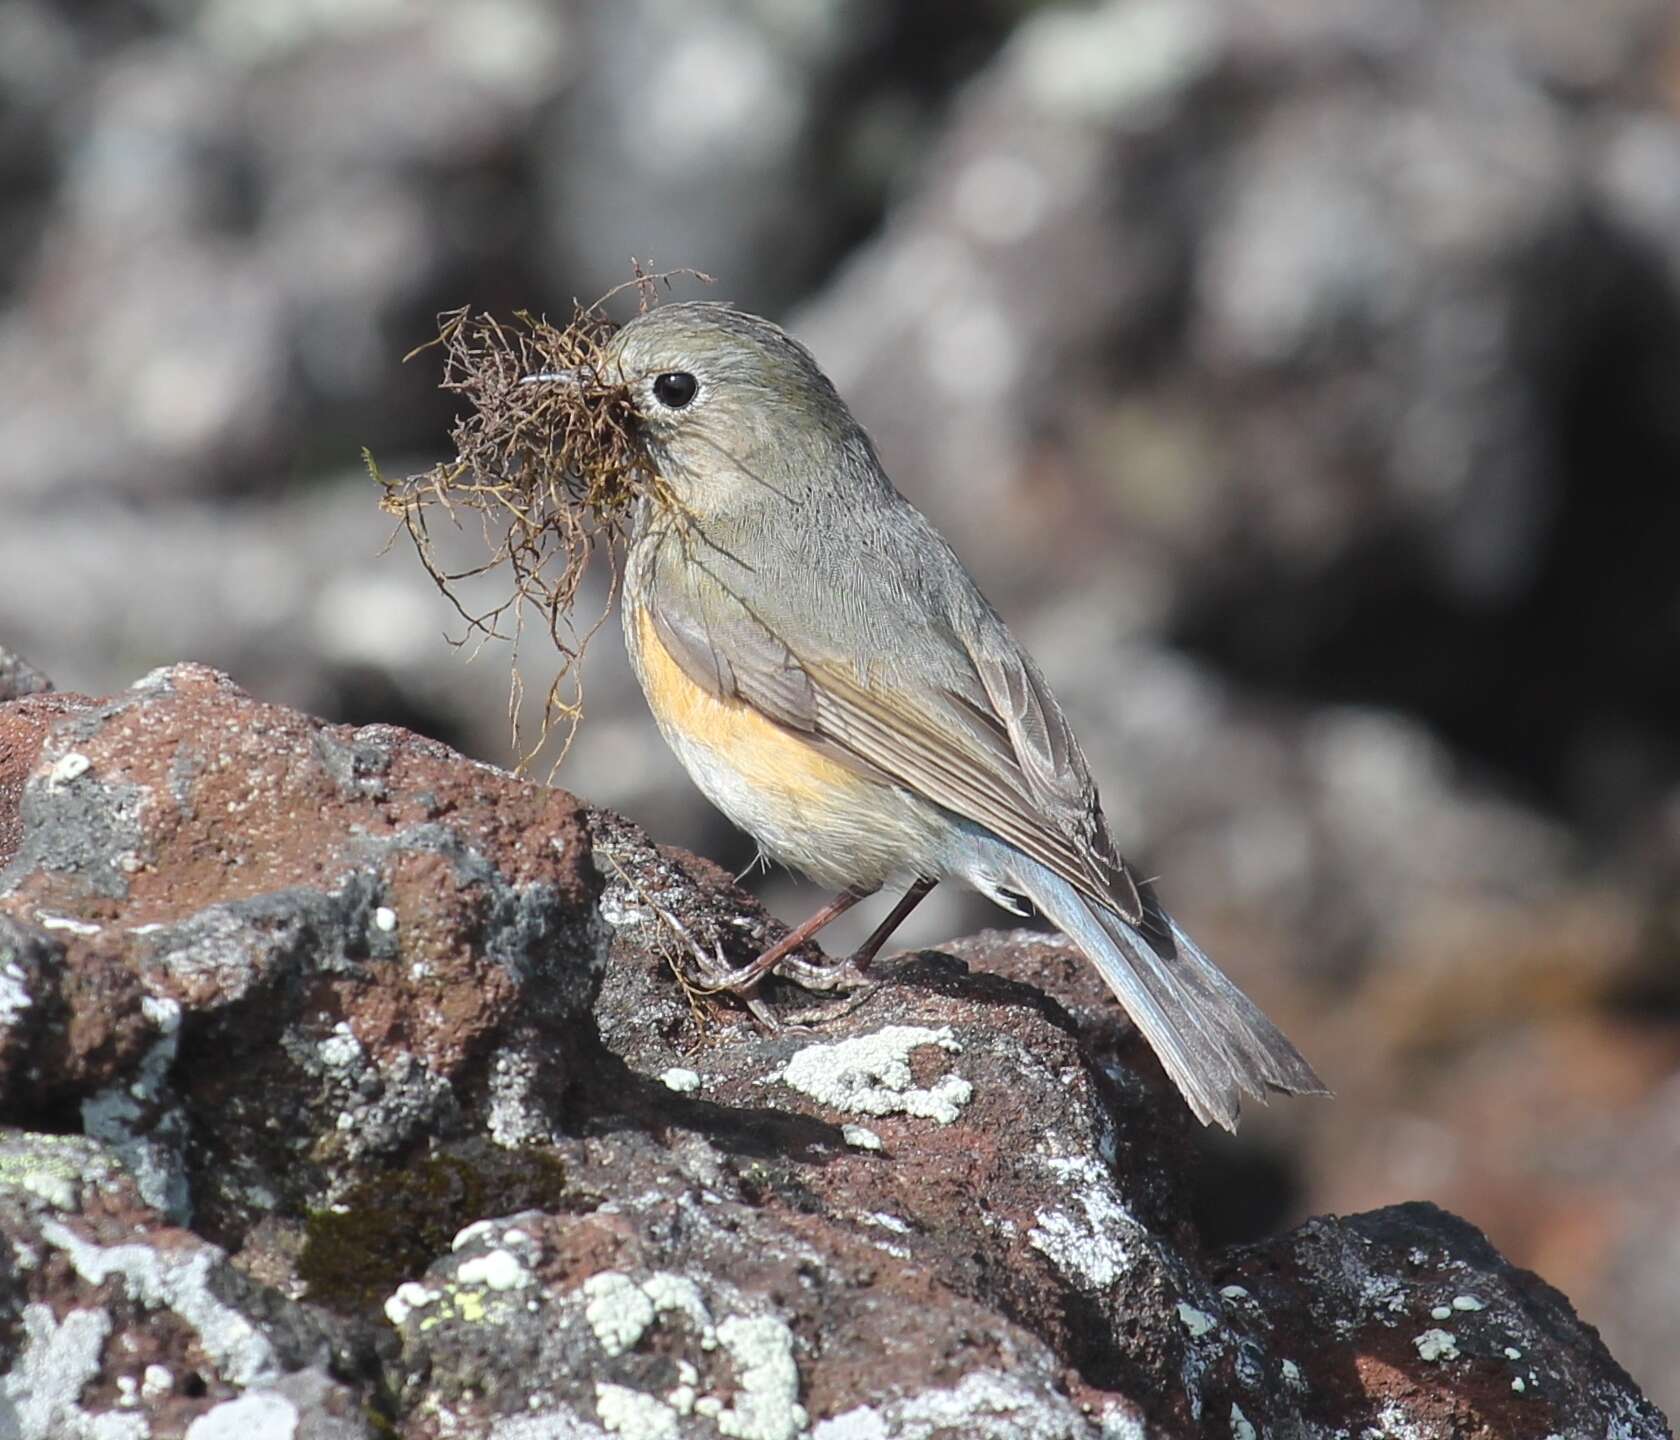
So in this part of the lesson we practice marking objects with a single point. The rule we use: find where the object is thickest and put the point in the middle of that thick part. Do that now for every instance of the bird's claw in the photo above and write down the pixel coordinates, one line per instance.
(828, 976)
(714, 974)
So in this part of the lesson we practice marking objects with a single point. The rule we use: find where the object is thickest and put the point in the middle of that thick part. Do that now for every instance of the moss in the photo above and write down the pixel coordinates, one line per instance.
(390, 1227)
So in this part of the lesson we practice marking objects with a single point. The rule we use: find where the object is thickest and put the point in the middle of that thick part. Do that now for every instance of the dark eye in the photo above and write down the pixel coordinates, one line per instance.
(674, 389)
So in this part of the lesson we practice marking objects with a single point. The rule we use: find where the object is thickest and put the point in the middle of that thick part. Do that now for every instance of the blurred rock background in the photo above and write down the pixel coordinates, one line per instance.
(1301, 378)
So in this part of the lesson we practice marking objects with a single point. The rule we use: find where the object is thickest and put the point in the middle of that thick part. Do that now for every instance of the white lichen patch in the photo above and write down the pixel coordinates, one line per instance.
(341, 1050)
(617, 1309)
(680, 1294)
(1467, 1302)
(860, 1137)
(986, 1405)
(1242, 1428)
(1089, 1246)
(686, 1393)
(620, 1309)
(179, 1281)
(633, 1414)
(497, 1270)
(763, 1399)
(52, 1168)
(684, 1082)
(1075, 1250)
(67, 769)
(1436, 1345)
(39, 1172)
(465, 1236)
(870, 1075)
(385, 919)
(40, 1391)
(1197, 1322)
(408, 1297)
(766, 1404)
(1441, 1312)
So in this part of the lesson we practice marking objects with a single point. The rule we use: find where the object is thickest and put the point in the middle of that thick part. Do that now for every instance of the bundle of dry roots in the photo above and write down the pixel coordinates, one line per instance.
(548, 465)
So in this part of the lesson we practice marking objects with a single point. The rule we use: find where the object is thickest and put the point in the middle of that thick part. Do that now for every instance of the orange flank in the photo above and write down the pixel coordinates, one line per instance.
(738, 736)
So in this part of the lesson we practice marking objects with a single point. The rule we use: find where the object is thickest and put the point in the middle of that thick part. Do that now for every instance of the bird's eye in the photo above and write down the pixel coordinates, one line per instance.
(675, 389)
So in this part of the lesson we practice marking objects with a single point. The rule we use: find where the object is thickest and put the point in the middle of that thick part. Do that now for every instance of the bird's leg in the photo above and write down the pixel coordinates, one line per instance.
(742, 979)
(854, 969)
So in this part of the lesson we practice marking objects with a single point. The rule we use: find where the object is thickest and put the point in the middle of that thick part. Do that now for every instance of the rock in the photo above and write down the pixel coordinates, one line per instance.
(383, 1112)
(125, 1326)
(1277, 289)
(196, 206)
(20, 740)
(19, 678)
(261, 954)
(1406, 1318)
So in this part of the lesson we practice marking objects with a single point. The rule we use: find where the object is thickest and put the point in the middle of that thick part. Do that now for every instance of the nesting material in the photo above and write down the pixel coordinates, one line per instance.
(548, 468)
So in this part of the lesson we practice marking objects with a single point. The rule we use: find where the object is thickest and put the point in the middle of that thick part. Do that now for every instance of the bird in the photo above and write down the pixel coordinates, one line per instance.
(832, 679)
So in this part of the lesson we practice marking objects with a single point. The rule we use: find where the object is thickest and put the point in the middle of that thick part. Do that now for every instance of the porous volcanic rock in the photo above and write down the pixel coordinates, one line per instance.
(355, 1093)
(258, 955)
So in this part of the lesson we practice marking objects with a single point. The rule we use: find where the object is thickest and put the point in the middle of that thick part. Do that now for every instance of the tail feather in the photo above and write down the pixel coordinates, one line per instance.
(1214, 1041)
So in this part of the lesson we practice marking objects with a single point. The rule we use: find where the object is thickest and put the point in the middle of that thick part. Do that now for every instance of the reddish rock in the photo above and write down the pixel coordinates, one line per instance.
(322, 941)
(397, 1120)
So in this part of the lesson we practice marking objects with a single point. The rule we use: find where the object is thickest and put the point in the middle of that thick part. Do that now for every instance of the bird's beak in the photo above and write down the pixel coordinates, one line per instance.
(578, 375)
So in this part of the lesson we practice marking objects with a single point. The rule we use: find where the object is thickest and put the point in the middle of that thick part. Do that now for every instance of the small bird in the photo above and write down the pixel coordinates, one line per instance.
(833, 680)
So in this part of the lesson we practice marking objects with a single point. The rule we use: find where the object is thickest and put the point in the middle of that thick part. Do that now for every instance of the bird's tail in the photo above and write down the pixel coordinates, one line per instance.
(1213, 1040)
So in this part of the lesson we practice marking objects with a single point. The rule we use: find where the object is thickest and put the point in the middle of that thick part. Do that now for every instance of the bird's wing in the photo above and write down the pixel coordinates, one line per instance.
(986, 740)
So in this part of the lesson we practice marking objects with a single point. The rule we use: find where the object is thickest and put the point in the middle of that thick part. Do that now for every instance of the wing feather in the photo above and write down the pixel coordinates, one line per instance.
(990, 745)
(971, 779)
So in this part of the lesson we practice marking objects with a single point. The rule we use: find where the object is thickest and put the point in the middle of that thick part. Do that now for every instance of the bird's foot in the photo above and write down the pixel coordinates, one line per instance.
(850, 973)
(851, 978)
(713, 975)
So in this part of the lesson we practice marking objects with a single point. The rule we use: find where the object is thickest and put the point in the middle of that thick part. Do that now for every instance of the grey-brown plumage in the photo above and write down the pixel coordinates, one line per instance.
(796, 586)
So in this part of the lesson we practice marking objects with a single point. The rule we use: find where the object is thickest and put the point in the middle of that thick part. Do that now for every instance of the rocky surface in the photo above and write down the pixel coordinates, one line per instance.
(18, 677)
(350, 1091)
